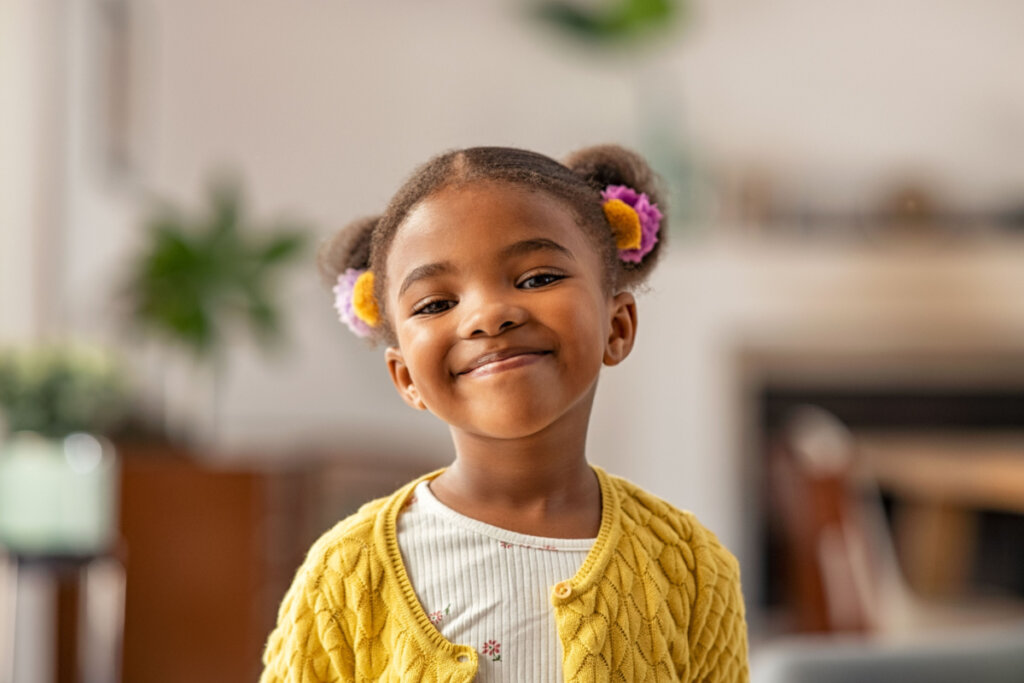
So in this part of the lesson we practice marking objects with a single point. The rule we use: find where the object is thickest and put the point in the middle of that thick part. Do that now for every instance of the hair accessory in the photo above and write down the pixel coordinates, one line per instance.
(625, 224)
(635, 220)
(355, 302)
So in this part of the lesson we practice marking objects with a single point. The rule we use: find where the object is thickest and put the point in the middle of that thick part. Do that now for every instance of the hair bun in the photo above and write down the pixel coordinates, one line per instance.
(347, 248)
(604, 165)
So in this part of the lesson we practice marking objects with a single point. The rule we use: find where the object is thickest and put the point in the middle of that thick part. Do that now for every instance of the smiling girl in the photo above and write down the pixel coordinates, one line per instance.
(500, 282)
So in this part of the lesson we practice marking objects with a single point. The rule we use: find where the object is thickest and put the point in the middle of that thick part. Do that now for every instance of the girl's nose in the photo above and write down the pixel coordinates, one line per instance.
(491, 317)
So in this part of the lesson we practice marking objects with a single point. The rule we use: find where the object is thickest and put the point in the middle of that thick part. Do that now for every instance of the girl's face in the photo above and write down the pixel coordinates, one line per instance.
(496, 299)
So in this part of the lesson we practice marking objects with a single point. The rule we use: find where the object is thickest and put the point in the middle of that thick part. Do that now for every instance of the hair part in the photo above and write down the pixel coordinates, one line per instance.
(578, 182)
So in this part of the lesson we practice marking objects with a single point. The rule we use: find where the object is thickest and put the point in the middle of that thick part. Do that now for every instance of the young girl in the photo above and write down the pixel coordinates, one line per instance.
(500, 281)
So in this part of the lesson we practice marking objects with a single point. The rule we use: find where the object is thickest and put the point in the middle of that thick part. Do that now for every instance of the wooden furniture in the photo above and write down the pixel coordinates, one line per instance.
(968, 469)
(825, 543)
(210, 551)
(79, 641)
(842, 563)
(201, 569)
(941, 481)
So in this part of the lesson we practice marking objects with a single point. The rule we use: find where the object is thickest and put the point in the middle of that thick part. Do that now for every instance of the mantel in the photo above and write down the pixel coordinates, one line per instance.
(819, 306)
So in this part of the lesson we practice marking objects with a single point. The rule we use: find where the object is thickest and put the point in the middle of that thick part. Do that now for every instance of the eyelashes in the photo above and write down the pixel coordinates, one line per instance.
(433, 306)
(436, 305)
(540, 280)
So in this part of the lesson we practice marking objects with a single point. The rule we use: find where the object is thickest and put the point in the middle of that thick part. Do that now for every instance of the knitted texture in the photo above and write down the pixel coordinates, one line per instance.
(657, 599)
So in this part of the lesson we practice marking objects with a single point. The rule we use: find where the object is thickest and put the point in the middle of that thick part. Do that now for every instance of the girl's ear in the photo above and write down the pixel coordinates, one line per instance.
(622, 332)
(399, 372)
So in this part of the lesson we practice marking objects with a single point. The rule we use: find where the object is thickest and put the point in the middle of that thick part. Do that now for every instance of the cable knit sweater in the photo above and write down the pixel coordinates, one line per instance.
(657, 599)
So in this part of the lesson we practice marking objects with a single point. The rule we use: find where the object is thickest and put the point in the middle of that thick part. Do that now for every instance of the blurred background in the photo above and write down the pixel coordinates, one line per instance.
(829, 367)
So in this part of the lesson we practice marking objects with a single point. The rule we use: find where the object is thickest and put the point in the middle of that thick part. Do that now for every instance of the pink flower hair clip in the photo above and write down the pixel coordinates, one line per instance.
(635, 220)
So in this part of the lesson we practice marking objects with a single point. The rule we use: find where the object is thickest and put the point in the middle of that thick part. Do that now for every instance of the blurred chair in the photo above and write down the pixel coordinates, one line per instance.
(843, 574)
(846, 581)
(840, 556)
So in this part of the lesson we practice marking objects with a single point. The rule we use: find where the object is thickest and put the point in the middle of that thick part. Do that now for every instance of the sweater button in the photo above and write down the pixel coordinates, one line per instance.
(563, 590)
(463, 659)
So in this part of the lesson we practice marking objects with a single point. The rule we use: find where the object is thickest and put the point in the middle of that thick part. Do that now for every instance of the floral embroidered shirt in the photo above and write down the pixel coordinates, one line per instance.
(488, 587)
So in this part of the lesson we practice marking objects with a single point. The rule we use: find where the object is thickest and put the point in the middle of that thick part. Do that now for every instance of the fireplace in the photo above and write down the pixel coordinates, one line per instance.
(950, 544)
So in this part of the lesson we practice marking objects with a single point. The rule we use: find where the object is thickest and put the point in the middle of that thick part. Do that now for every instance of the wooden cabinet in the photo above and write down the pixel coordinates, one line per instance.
(210, 552)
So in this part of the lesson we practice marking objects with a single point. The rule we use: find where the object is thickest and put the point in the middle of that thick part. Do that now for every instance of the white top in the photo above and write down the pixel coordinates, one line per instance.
(488, 587)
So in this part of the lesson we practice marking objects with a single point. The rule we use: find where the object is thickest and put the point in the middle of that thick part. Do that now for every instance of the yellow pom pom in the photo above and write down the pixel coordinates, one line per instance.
(363, 301)
(625, 223)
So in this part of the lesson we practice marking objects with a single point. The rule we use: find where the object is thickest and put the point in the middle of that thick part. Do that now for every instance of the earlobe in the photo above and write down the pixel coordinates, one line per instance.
(402, 380)
(622, 331)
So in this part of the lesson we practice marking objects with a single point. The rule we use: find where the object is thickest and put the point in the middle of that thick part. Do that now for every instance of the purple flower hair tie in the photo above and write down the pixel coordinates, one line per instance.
(646, 211)
(344, 304)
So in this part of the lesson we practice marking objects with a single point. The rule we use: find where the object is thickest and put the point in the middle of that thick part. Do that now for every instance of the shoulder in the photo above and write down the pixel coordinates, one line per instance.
(352, 534)
(338, 592)
(665, 528)
(352, 548)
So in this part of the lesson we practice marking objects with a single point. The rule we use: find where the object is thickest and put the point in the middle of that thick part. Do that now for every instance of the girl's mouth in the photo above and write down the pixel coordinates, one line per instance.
(491, 364)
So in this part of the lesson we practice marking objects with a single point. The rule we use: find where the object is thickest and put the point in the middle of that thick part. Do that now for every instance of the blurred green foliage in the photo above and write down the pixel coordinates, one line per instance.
(616, 22)
(200, 276)
(59, 389)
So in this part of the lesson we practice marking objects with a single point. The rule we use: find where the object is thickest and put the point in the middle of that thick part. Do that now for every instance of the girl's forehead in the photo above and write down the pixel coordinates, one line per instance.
(479, 220)
(469, 206)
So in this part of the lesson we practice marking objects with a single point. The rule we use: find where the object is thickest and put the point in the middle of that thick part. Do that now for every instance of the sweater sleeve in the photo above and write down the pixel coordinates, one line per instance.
(718, 636)
(309, 643)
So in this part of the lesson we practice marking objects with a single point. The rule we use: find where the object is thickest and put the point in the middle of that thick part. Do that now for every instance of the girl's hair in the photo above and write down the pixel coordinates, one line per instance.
(578, 182)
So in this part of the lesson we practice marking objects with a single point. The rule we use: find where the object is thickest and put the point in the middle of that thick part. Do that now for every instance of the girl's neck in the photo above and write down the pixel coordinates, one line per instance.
(539, 485)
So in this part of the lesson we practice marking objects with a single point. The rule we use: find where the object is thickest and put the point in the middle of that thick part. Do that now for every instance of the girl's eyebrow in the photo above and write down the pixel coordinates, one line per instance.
(516, 249)
(424, 271)
(536, 244)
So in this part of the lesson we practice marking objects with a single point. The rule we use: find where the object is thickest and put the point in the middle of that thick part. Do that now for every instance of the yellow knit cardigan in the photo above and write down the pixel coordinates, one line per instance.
(657, 599)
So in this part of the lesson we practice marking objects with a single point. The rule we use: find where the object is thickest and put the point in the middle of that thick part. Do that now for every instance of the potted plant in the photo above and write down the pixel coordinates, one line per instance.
(58, 477)
(202, 279)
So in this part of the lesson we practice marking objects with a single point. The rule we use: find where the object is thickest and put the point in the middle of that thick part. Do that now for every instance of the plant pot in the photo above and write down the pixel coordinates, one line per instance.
(58, 497)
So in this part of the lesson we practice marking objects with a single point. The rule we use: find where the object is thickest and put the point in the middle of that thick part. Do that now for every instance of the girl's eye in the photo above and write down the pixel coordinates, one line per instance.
(435, 306)
(540, 280)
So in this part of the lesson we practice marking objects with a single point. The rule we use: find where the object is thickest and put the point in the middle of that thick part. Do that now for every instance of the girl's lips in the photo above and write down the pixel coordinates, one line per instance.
(503, 363)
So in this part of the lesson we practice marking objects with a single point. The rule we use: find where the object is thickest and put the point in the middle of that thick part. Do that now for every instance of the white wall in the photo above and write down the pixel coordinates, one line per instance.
(30, 163)
(865, 92)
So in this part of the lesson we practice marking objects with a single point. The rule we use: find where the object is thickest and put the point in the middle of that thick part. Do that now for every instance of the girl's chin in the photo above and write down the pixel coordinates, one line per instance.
(523, 416)
(506, 430)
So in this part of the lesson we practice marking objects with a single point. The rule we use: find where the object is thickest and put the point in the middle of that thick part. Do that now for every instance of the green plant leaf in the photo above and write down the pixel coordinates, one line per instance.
(201, 277)
(283, 248)
(618, 22)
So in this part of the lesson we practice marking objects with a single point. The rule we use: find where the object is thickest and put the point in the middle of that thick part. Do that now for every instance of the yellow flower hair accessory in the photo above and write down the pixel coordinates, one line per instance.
(355, 302)
(364, 303)
(625, 223)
